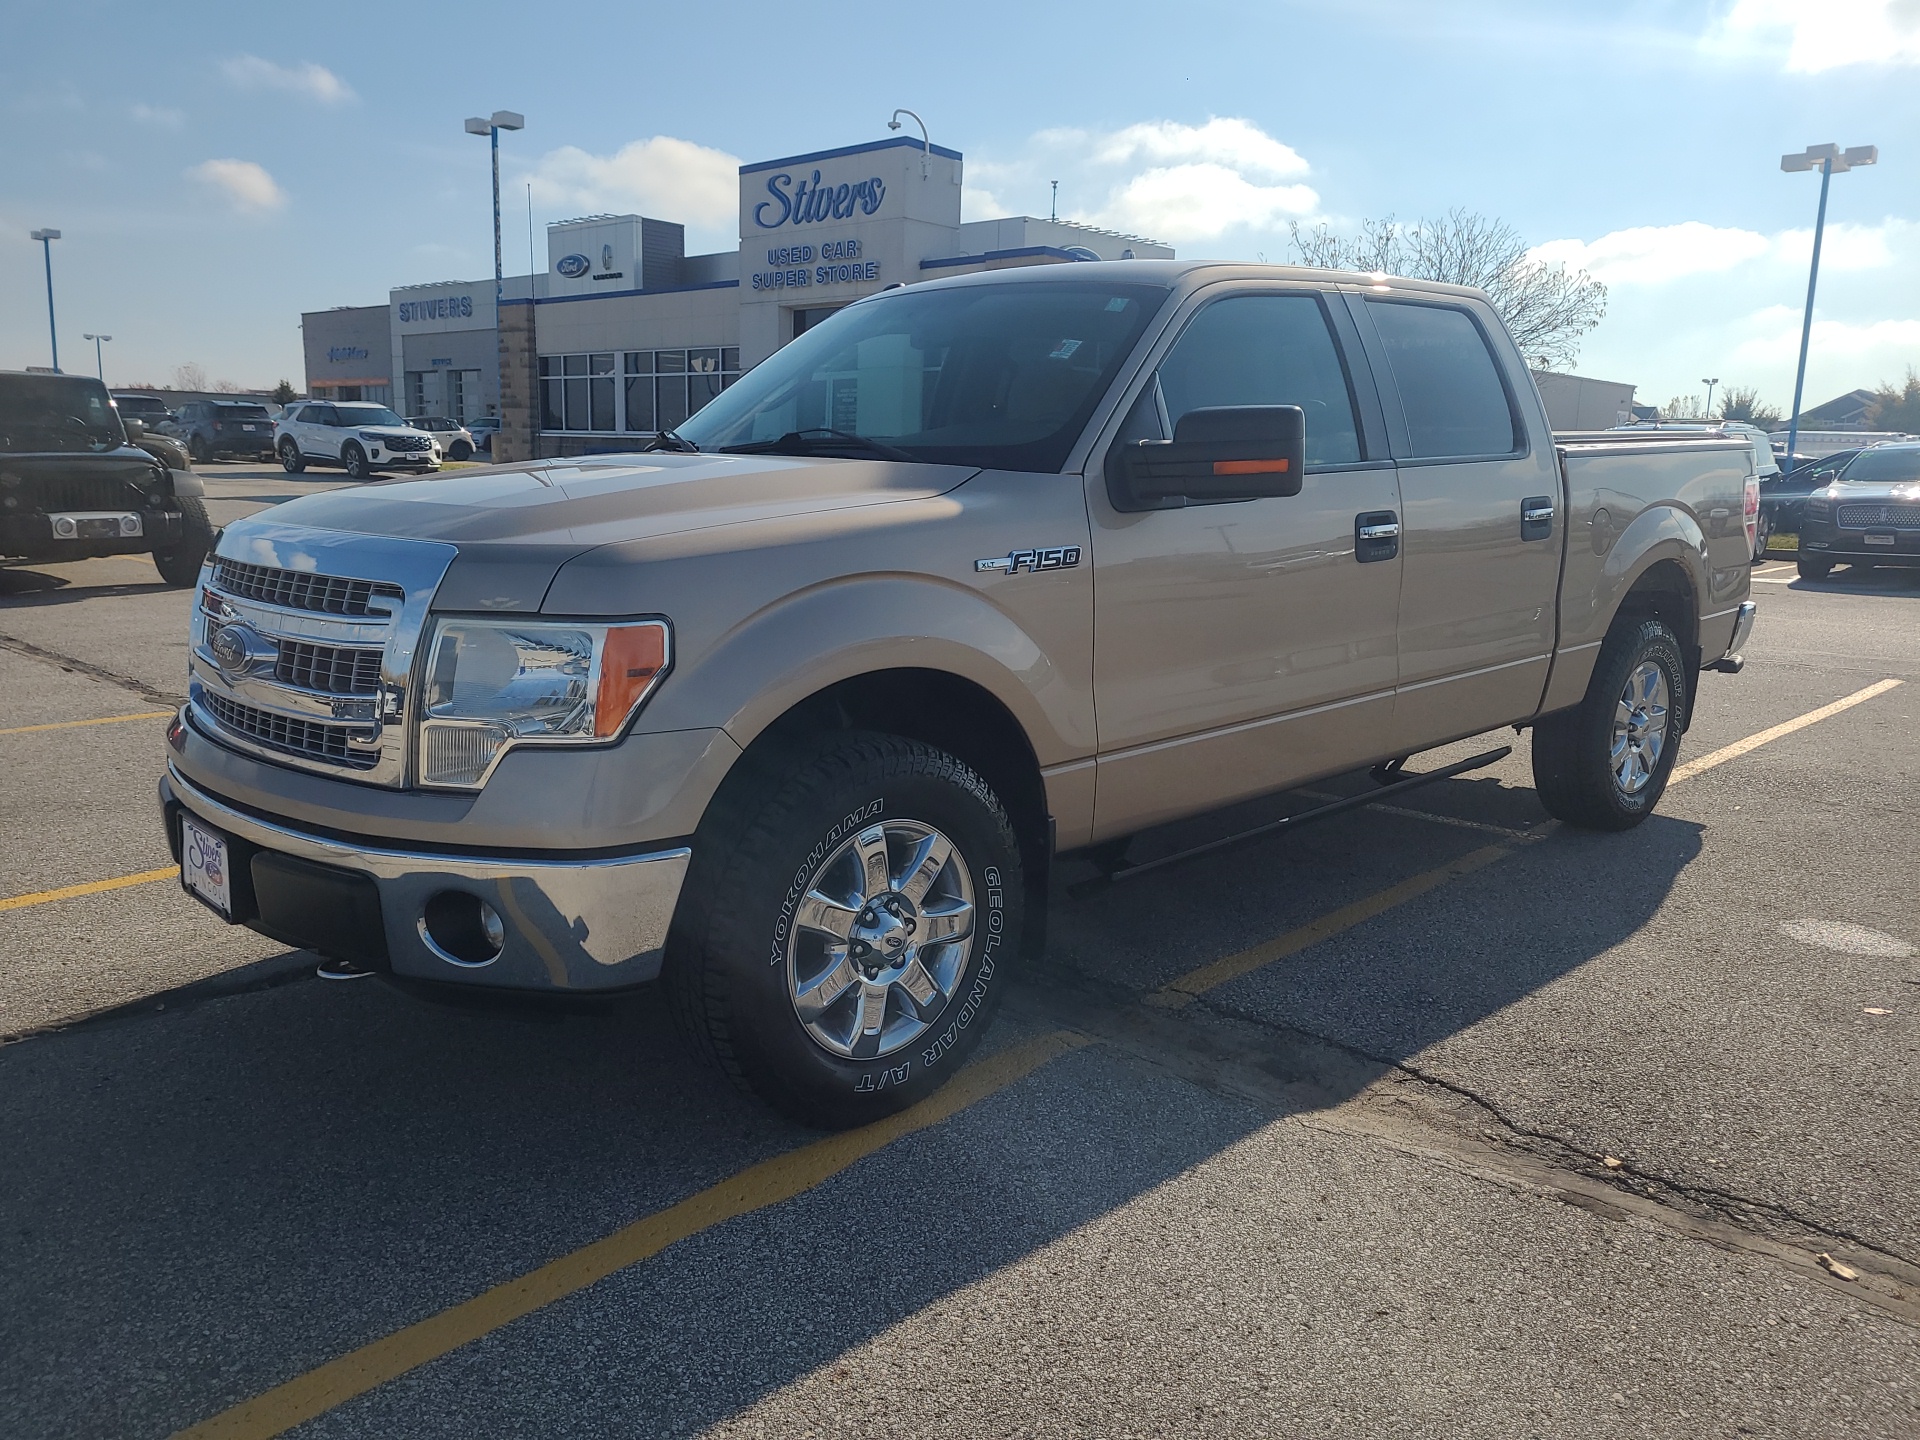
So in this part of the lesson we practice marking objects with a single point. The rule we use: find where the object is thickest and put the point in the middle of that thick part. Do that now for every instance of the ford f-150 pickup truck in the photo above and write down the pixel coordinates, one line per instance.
(794, 710)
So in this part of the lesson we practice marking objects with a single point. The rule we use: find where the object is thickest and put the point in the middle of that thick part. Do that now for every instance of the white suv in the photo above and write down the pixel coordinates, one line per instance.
(361, 437)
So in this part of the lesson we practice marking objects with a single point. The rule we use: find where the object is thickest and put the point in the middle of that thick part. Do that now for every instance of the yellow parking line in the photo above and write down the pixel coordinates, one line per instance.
(1764, 737)
(74, 724)
(92, 887)
(755, 1188)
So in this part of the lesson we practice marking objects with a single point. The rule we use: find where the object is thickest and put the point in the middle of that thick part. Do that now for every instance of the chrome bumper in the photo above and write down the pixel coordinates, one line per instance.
(569, 925)
(1731, 662)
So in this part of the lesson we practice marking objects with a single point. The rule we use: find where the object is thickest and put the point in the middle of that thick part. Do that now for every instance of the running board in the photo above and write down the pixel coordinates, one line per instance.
(1292, 822)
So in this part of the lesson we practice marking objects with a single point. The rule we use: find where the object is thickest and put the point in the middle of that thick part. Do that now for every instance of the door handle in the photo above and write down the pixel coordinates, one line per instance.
(1376, 536)
(1536, 517)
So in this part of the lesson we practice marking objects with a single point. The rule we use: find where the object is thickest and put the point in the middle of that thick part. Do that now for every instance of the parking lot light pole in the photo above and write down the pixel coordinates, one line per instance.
(1709, 384)
(99, 366)
(1831, 160)
(491, 126)
(46, 239)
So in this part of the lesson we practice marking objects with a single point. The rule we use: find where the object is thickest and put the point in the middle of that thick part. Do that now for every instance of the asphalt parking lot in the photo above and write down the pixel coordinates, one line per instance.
(1431, 1120)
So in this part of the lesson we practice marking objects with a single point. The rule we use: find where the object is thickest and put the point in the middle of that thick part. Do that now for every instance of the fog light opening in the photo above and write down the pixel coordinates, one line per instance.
(64, 527)
(462, 929)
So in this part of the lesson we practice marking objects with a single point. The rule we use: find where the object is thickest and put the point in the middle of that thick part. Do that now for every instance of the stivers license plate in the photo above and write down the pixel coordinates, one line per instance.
(1880, 539)
(203, 866)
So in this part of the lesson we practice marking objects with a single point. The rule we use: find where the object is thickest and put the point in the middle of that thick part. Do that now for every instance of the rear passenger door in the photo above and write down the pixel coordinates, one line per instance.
(319, 432)
(1481, 522)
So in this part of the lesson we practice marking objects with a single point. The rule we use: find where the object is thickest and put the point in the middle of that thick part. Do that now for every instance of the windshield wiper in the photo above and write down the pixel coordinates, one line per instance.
(672, 440)
(815, 441)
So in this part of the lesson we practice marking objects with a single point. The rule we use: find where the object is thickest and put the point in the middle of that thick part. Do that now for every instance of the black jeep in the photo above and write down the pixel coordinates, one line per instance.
(73, 485)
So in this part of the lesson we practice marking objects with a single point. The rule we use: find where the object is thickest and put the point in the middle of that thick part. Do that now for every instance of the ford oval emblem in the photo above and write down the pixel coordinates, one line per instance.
(573, 266)
(238, 648)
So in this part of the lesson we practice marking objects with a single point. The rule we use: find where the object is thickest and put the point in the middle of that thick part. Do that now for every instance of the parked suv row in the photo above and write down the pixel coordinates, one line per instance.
(362, 438)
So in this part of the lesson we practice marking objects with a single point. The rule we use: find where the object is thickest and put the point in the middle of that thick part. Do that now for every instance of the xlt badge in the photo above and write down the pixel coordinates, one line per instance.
(1057, 557)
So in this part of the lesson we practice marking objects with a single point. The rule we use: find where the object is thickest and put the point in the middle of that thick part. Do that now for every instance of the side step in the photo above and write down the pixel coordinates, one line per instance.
(1292, 822)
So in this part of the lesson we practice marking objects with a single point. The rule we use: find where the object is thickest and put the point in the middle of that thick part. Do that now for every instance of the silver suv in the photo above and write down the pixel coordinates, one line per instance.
(362, 438)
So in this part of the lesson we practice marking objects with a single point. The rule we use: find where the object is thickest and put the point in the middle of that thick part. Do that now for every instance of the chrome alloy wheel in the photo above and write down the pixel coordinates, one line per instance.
(880, 939)
(1639, 728)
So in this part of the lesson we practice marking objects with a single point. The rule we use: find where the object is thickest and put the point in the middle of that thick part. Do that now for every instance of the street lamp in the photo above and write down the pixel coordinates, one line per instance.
(491, 128)
(1710, 384)
(46, 239)
(926, 145)
(99, 367)
(1830, 159)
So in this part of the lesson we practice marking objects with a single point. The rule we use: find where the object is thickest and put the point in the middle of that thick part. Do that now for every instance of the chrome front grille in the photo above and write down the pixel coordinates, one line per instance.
(1865, 516)
(303, 651)
(288, 733)
(330, 669)
(301, 590)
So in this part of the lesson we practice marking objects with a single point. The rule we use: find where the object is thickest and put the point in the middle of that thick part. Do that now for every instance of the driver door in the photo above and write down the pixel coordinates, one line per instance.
(1241, 647)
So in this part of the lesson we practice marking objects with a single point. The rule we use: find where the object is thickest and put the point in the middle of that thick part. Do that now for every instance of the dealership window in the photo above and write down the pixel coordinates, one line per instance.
(654, 389)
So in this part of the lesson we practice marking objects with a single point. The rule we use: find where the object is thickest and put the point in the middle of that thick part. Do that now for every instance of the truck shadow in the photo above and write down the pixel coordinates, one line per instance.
(285, 1174)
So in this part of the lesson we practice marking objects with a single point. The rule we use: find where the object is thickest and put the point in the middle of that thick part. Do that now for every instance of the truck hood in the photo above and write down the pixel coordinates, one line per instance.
(516, 526)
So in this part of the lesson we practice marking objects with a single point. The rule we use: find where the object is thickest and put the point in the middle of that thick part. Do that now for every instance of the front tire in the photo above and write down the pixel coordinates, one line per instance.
(1604, 764)
(201, 451)
(291, 460)
(1812, 569)
(355, 460)
(845, 934)
(180, 566)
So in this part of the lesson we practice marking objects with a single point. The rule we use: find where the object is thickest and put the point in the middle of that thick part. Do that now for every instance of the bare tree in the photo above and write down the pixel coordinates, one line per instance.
(1683, 407)
(190, 376)
(1547, 307)
(1742, 402)
(1897, 407)
(226, 387)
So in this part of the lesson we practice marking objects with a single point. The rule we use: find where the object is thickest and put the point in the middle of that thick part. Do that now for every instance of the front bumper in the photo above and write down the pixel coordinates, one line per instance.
(597, 923)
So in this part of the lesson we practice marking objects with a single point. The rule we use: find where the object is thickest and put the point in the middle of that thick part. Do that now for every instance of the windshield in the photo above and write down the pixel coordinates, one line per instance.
(1895, 464)
(55, 412)
(369, 415)
(998, 376)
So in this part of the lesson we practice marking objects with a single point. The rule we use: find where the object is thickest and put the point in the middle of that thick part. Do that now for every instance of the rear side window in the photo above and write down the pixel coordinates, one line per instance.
(1450, 388)
(1265, 350)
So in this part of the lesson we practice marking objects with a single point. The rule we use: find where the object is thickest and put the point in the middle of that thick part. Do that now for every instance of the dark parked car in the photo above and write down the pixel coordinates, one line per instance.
(72, 487)
(150, 410)
(214, 428)
(1785, 496)
(1868, 515)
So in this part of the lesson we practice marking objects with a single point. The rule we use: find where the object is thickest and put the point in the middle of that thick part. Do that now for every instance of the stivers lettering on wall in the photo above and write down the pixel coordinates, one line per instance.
(794, 267)
(810, 201)
(444, 307)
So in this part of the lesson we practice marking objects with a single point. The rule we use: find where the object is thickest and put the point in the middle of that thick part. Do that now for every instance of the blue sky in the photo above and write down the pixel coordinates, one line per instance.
(217, 170)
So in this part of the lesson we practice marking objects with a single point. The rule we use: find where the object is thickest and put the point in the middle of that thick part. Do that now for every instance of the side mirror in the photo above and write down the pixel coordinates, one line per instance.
(1228, 452)
(134, 428)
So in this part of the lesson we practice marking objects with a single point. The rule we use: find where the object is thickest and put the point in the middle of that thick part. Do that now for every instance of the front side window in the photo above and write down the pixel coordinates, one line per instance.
(1001, 376)
(1450, 387)
(1265, 350)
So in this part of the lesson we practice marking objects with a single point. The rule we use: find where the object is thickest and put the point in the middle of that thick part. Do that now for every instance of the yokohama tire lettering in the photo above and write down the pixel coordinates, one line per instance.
(833, 837)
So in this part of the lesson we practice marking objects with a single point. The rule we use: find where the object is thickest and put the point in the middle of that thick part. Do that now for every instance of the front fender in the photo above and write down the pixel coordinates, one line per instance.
(806, 642)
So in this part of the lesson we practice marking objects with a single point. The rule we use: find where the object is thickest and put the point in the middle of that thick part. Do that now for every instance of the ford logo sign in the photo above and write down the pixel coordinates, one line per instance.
(239, 648)
(573, 266)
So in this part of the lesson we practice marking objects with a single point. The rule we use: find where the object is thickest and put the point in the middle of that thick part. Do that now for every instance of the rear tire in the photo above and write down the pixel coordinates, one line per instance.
(201, 451)
(1811, 569)
(1604, 764)
(460, 451)
(355, 460)
(1763, 532)
(291, 460)
(180, 566)
(794, 965)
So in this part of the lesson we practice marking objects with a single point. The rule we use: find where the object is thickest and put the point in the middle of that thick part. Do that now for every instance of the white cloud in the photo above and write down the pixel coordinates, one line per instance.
(1657, 254)
(161, 117)
(1876, 347)
(246, 186)
(1163, 179)
(664, 176)
(315, 82)
(1819, 35)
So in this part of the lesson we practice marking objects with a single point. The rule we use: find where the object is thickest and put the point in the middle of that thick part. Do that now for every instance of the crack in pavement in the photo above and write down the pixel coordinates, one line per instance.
(91, 670)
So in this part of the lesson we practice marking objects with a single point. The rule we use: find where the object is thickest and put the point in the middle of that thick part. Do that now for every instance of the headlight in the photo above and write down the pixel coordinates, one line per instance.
(371, 439)
(495, 683)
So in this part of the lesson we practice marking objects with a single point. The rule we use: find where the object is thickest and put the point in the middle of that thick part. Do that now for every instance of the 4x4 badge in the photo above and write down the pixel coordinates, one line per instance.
(1057, 557)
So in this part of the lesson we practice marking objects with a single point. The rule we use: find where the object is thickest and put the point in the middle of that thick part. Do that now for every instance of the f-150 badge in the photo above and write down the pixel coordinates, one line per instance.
(1057, 557)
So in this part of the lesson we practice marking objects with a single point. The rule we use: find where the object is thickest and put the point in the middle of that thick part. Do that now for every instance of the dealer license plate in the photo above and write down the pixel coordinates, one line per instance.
(203, 866)
(1880, 539)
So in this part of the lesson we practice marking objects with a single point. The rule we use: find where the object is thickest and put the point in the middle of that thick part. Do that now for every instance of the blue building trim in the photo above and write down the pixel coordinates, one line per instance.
(887, 144)
(617, 294)
(1022, 253)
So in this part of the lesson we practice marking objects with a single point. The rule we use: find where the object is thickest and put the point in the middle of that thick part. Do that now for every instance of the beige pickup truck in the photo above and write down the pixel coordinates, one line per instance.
(795, 710)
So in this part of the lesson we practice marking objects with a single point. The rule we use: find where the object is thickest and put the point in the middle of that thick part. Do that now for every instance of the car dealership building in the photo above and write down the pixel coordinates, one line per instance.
(625, 333)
